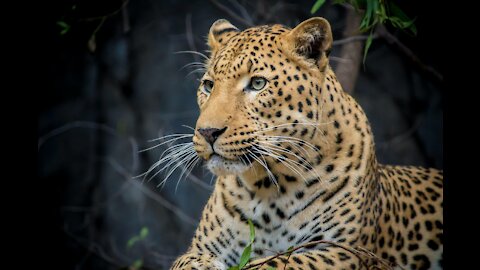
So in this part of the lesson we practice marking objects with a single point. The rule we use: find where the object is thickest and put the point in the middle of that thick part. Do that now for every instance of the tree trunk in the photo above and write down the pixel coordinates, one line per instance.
(351, 53)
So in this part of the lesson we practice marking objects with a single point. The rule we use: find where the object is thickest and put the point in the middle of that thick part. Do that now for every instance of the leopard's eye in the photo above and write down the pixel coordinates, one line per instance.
(207, 86)
(257, 83)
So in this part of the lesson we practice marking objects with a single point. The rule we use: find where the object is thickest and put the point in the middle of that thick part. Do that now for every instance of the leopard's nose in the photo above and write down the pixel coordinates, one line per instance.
(211, 134)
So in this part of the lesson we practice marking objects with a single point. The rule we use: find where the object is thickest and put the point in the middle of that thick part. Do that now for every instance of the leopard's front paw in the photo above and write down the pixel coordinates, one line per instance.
(198, 262)
(209, 265)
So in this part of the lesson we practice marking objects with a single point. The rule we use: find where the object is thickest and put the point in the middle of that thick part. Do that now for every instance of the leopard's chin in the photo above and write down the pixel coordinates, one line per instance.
(220, 166)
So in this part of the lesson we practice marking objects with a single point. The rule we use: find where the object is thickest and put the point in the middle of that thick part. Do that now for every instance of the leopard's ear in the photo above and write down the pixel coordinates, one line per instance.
(220, 32)
(312, 40)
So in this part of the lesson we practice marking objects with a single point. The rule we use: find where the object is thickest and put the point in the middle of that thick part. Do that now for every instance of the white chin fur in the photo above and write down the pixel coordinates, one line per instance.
(220, 166)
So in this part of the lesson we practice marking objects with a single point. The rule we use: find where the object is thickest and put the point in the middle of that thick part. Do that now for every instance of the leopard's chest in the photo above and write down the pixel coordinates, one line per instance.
(276, 230)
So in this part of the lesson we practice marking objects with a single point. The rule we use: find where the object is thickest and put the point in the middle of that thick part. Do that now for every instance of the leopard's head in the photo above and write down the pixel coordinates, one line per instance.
(259, 97)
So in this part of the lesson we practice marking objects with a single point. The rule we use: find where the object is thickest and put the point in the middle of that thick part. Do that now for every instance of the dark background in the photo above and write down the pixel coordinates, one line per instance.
(102, 106)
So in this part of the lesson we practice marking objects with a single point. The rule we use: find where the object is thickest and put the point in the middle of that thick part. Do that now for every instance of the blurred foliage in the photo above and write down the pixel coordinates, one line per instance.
(91, 15)
(141, 236)
(65, 27)
(375, 12)
(138, 263)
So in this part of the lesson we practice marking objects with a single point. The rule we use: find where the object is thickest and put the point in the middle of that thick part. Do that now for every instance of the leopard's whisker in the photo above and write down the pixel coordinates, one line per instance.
(171, 150)
(294, 145)
(295, 163)
(276, 148)
(282, 160)
(250, 165)
(179, 162)
(267, 170)
(199, 64)
(294, 124)
(180, 155)
(292, 139)
(198, 70)
(194, 52)
(166, 142)
(189, 127)
(169, 136)
(171, 158)
(189, 167)
(272, 178)
(273, 146)
(185, 169)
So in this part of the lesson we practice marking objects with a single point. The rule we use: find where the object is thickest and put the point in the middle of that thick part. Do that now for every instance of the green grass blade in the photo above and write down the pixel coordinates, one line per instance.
(245, 256)
(317, 6)
(143, 233)
(252, 231)
(368, 43)
(132, 241)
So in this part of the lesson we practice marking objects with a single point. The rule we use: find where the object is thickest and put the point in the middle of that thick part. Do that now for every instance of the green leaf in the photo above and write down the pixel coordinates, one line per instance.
(381, 13)
(317, 6)
(367, 18)
(65, 27)
(367, 46)
(413, 29)
(399, 15)
(399, 23)
(63, 24)
(234, 268)
(245, 256)
(132, 241)
(137, 264)
(271, 268)
(252, 231)
(397, 12)
(143, 233)
(355, 4)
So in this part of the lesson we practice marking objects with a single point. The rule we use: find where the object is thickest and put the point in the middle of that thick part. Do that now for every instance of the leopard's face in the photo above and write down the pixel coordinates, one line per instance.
(259, 97)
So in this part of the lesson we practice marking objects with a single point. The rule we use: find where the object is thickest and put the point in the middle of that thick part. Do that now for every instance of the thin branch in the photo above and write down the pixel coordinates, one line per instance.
(402, 136)
(113, 13)
(383, 33)
(352, 39)
(339, 59)
(313, 243)
(358, 252)
(93, 248)
(154, 196)
(92, 43)
(92, 125)
(243, 11)
(122, 171)
(231, 13)
(125, 19)
(77, 124)
(189, 32)
(347, 73)
(197, 181)
(276, 8)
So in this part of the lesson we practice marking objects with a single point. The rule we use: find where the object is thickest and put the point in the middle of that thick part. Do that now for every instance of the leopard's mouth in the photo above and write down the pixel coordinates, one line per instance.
(219, 165)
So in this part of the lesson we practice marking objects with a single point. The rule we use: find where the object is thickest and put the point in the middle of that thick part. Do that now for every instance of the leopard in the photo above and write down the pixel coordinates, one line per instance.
(294, 155)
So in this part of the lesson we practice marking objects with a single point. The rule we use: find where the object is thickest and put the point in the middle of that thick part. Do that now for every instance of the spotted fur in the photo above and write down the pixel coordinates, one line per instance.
(320, 180)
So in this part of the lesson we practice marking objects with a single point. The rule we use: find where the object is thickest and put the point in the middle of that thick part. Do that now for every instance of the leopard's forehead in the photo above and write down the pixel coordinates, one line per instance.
(255, 46)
